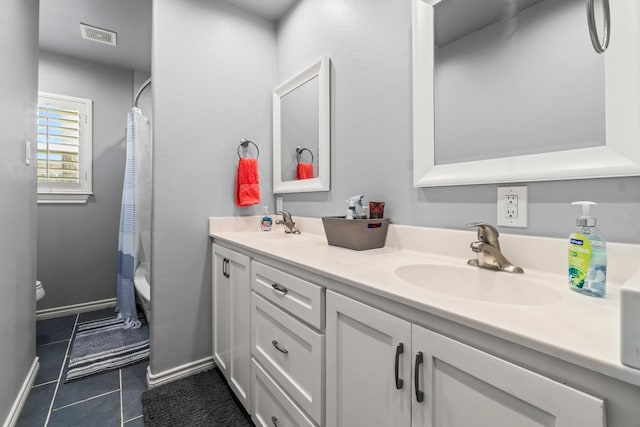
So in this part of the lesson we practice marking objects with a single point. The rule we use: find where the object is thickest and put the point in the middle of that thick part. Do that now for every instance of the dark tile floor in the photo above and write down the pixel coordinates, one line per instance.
(103, 400)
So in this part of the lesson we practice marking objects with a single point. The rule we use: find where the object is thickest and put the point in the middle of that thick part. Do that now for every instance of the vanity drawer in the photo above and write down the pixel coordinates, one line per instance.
(297, 296)
(291, 352)
(271, 406)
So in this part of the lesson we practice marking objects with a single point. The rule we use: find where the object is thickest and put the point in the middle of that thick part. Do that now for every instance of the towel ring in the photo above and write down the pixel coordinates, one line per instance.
(244, 143)
(599, 46)
(299, 151)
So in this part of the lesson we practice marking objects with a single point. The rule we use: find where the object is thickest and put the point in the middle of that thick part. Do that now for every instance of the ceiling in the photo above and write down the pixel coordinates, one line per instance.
(130, 19)
(457, 18)
(269, 9)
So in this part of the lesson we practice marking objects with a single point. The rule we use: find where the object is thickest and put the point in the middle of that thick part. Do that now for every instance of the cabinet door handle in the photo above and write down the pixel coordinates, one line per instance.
(224, 267)
(278, 287)
(226, 272)
(274, 420)
(416, 376)
(399, 351)
(280, 349)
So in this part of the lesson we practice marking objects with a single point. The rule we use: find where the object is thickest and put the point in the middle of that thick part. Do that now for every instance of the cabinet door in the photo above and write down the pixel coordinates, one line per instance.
(231, 320)
(365, 349)
(221, 311)
(464, 386)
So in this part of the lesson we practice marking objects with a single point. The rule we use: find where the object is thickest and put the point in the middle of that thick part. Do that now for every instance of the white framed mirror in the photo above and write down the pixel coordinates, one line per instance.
(301, 131)
(483, 156)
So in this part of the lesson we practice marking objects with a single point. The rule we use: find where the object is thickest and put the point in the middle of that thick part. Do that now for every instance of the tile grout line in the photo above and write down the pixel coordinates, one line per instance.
(85, 400)
(51, 343)
(64, 361)
(121, 409)
(43, 384)
(133, 419)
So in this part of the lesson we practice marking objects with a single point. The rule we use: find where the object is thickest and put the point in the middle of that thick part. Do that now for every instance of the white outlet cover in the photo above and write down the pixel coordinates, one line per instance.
(520, 220)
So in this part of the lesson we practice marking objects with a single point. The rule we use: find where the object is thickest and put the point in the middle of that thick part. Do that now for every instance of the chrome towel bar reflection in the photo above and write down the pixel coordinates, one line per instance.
(600, 47)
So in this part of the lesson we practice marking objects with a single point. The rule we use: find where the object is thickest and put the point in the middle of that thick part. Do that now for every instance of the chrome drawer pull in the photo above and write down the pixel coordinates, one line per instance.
(278, 287)
(280, 349)
(274, 420)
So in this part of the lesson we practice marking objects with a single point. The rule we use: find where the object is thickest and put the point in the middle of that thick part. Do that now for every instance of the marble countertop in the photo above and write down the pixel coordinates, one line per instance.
(578, 329)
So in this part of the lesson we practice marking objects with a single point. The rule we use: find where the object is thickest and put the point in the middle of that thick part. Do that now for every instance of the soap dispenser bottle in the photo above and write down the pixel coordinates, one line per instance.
(587, 255)
(266, 222)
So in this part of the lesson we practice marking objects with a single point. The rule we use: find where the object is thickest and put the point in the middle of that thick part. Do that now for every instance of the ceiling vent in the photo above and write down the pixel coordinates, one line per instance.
(98, 34)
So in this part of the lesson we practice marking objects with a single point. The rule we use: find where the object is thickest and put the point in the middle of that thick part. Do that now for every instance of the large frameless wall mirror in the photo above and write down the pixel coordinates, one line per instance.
(512, 90)
(301, 131)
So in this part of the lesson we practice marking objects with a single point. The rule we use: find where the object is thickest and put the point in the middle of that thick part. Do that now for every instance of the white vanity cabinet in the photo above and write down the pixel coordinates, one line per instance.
(382, 370)
(288, 346)
(231, 320)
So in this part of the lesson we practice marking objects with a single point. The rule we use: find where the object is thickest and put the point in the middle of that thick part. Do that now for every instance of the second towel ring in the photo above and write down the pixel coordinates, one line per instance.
(599, 46)
(299, 151)
(244, 143)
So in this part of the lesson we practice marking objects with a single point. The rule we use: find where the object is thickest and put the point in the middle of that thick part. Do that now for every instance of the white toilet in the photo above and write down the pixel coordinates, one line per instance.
(39, 291)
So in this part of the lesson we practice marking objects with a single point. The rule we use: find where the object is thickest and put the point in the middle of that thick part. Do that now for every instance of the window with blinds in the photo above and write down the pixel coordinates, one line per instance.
(64, 148)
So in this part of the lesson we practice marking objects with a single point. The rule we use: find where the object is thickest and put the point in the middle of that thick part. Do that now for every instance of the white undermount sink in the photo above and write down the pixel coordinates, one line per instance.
(478, 284)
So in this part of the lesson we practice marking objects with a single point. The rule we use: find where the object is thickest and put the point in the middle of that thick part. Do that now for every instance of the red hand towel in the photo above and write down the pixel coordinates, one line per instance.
(304, 171)
(247, 183)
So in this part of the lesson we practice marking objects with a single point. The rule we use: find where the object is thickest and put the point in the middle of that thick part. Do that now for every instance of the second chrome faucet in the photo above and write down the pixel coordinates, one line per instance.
(487, 249)
(287, 223)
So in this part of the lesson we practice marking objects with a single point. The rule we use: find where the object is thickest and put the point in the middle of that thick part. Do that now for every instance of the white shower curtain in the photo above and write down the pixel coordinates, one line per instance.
(127, 242)
(143, 191)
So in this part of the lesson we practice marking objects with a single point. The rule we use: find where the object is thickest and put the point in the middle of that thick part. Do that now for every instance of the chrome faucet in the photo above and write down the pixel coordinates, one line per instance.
(487, 249)
(287, 223)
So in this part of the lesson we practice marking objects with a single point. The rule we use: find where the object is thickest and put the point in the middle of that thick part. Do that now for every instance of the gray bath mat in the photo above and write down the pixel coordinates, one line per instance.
(203, 399)
(103, 345)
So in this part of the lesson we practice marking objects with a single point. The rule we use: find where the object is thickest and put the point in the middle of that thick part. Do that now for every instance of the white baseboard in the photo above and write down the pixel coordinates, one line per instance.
(18, 404)
(66, 310)
(178, 372)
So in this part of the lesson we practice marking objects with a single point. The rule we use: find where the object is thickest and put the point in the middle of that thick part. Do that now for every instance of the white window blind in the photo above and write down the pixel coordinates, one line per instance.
(64, 149)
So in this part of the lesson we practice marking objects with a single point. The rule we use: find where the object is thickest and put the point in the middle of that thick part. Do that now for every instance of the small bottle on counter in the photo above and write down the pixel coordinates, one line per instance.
(266, 222)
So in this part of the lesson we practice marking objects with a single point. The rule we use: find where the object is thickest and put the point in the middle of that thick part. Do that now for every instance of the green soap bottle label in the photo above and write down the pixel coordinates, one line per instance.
(580, 253)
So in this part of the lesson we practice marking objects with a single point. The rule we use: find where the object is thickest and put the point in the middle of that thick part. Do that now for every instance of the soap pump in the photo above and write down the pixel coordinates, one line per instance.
(266, 221)
(351, 208)
(587, 255)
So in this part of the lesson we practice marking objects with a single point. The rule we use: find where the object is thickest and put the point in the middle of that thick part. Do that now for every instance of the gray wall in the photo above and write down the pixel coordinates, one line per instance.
(369, 44)
(214, 68)
(213, 72)
(77, 244)
(18, 83)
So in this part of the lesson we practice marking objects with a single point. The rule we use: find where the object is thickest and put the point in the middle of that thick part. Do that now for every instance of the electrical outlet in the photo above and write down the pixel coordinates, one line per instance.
(279, 204)
(512, 206)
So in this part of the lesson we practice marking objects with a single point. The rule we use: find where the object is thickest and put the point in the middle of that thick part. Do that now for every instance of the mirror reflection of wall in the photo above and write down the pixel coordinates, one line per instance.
(301, 131)
(299, 115)
(526, 82)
